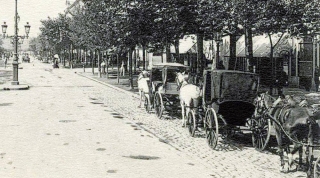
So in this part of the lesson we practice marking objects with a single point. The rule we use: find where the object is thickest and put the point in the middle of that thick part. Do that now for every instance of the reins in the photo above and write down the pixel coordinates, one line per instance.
(266, 112)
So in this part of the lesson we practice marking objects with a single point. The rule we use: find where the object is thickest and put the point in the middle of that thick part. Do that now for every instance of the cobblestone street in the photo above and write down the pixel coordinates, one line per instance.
(233, 160)
(60, 98)
(59, 129)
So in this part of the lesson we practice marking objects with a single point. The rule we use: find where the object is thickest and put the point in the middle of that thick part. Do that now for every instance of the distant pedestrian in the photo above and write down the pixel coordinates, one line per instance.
(138, 63)
(316, 78)
(122, 69)
(103, 66)
(55, 63)
(220, 65)
(281, 81)
(6, 57)
(110, 63)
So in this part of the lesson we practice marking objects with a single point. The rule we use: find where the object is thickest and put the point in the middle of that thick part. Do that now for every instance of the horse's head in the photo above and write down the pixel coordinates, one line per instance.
(143, 74)
(181, 79)
(290, 100)
(263, 102)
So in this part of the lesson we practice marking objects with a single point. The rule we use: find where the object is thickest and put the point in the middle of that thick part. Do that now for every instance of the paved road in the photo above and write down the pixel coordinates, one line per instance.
(69, 125)
(59, 129)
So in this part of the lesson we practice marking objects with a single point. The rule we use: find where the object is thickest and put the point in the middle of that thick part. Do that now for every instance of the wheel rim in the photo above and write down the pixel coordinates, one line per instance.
(158, 105)
(316, 168)
(224, 130)
(260, 132)
(211, 128)
(191, 123)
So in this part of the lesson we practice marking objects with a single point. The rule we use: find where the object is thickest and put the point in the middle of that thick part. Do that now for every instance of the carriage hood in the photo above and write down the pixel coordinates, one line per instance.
(232, 85)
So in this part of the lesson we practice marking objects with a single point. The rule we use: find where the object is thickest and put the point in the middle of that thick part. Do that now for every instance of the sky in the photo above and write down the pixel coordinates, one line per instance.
(31, 11)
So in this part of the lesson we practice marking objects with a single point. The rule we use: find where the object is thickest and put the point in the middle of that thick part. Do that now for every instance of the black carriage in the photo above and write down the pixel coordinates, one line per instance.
(164, 93)
(227, 103)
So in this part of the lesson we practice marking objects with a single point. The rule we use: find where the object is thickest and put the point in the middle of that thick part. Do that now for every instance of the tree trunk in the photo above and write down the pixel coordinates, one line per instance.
(161, 55)
(248, 43)
(70, 54)
(130, 68)
(99, 66)
(144, 57)
(200, 59)
(64, 58)
(168, 54)
(92, 60)
(233, 55)
(176, 46)
(134, 60)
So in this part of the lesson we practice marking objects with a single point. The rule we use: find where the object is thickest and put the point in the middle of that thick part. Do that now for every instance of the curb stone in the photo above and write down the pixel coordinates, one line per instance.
(111, 86)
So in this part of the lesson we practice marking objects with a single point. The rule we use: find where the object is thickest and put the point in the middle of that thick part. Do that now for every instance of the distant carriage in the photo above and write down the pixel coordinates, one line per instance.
(164, 95)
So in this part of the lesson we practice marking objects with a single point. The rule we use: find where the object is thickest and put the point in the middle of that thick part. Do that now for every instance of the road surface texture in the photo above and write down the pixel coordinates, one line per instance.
(69, 124)
(57, 129)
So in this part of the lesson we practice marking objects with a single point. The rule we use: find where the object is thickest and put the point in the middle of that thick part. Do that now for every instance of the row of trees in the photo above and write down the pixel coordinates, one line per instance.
(121, 25)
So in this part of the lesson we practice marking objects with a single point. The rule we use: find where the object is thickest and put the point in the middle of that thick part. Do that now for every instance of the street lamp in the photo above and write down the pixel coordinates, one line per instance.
(16, 42)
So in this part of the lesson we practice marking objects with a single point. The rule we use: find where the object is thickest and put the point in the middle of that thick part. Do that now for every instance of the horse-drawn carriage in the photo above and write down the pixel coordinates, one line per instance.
(227, 98)
(295, 121)
(227, 103)
(164, 94)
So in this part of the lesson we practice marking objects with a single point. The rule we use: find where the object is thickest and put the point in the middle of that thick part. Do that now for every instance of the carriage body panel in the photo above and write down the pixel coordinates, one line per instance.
(230, 94)
(165, 93)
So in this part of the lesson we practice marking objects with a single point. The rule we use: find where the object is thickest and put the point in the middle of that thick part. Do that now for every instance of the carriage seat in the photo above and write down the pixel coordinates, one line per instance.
(171, 88)
(156, 85)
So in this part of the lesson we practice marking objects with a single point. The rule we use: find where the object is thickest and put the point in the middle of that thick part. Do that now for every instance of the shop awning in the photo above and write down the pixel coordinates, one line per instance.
(261, 45)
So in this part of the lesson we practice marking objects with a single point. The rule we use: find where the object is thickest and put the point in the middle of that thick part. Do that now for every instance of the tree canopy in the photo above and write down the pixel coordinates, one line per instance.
(123, 24)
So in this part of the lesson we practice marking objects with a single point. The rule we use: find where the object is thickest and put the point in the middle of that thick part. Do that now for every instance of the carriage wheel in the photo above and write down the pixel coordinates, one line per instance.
(158, 105)
(192, 123)
(316, 168)
(147, 104)
(261, 128)
(225, 130)
(211, 128)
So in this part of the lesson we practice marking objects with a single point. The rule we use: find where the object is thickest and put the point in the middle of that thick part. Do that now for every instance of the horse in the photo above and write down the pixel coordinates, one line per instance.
(143, 86)
(293, 120)
(189, 95)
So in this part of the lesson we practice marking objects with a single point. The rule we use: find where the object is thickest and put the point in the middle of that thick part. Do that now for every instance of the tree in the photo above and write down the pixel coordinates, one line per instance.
(276, 18)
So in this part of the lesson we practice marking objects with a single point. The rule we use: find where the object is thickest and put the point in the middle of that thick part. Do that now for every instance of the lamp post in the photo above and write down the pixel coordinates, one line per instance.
(15, 63)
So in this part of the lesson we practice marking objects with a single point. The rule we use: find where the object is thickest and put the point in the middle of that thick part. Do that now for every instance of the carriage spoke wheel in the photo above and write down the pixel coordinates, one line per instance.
(316, 169)
(158, 105)
(191, 121)
(225, 130)
(211, 128)
(147, 104)
(261, 128)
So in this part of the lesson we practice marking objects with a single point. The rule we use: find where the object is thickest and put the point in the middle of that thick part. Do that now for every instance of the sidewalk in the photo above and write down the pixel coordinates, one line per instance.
(112, 80)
